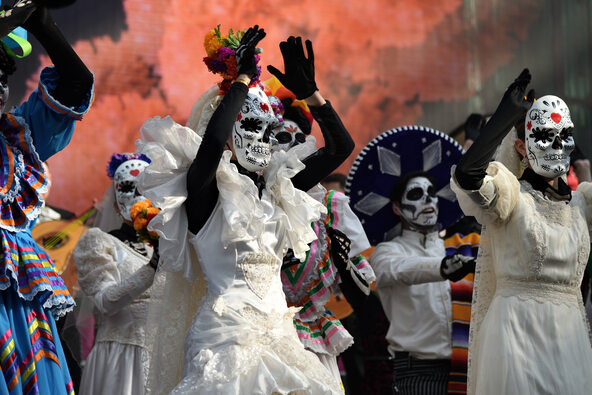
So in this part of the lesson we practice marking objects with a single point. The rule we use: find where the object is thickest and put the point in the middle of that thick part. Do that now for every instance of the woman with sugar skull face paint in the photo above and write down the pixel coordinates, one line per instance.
(528, 326)
(116, 271)
(239, 208)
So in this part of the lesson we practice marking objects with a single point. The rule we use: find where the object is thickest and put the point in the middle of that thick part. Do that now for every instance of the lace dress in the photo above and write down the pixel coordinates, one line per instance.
(118, 280)
(242, 339)
(528, 328)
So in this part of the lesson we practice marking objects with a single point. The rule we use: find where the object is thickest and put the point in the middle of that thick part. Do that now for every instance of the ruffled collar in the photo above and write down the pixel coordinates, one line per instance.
(244, 209)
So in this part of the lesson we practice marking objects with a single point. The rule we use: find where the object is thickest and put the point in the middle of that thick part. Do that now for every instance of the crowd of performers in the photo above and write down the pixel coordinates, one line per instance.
(217, 251)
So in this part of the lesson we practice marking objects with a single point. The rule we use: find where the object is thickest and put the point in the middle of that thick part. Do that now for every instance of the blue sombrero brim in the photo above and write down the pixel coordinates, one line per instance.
(384, 160)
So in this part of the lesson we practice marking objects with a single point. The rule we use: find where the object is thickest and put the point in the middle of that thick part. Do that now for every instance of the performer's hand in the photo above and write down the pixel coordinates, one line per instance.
(456, 266)
(340, 247)
(473, 126)
(515, 101)
(299, 70)
(245, 53)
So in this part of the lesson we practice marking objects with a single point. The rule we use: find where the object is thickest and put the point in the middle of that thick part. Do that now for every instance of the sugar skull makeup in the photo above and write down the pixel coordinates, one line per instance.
(252, 131)
(288, 135)
(419, 203)
(124, 183)
(548, 136)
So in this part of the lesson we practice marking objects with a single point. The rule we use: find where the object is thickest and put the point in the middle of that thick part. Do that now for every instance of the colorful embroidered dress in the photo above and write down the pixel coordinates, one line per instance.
(32, 292)
(310, 283)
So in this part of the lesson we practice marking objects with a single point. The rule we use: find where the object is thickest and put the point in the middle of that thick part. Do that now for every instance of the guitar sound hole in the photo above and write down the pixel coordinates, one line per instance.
(53, 241)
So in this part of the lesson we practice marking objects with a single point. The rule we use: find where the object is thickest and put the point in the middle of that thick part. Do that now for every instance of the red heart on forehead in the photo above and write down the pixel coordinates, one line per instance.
(556, 117)
(135, 172)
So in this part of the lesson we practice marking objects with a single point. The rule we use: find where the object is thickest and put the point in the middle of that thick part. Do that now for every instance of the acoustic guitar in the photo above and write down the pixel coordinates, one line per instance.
(58, 238)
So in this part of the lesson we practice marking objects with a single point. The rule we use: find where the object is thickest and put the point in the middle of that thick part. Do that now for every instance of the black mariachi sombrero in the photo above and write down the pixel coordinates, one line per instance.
(384, 160)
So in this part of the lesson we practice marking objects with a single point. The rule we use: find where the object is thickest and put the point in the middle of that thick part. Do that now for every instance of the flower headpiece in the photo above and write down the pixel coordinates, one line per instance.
(117, 159)
(221, 57)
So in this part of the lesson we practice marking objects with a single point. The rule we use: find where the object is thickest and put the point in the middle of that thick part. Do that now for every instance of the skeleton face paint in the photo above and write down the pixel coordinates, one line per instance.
(3, 91)
(252, 131)
(124, 182)
(289, 135)
(419, 204)
(548, 135)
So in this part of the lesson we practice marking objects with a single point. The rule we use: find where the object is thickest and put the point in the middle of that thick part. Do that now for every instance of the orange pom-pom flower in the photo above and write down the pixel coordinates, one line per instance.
(141, 214)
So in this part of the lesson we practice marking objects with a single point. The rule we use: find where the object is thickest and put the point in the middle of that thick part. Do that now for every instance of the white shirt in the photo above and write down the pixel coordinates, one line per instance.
(415, 298)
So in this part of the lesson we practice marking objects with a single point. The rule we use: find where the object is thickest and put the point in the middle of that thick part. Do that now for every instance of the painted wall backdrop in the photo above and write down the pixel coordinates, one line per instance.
(382, 63)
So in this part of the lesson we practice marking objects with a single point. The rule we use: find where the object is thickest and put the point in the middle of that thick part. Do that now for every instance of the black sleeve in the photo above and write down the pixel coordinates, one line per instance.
(338, 146)
(75, 78)
(202, 192)
(354, 295)
(471, 168)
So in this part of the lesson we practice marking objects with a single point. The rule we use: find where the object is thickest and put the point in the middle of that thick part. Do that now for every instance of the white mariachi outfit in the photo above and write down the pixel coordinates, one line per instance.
(528, 327)
(242, 339)
(117, 279)
(415, 297)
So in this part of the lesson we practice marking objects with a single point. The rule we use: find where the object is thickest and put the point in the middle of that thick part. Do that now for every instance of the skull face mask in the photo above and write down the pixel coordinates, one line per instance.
(124, 183)
(288, 135)
(419, 204)
(252, 131)
(548, 136)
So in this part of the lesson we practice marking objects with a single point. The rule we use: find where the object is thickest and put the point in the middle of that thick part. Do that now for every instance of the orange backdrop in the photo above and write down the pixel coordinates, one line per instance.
(382, 63)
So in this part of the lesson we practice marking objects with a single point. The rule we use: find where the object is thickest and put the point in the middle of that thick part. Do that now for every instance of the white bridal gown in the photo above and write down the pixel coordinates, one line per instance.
(242, 339)
(529, 333)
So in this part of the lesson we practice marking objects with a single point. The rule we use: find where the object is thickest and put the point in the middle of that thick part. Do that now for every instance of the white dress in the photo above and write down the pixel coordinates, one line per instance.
(529, 333)
(117, 279)
(242, 339)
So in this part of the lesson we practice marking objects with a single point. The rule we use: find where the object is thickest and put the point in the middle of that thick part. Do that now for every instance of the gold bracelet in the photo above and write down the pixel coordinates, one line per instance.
(243, 81)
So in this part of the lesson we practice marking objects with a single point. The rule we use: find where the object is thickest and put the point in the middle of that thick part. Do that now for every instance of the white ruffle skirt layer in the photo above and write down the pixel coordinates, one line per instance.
(245, 351)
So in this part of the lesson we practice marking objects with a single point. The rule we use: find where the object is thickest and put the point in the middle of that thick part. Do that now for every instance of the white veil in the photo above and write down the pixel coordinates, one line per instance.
(179, 284)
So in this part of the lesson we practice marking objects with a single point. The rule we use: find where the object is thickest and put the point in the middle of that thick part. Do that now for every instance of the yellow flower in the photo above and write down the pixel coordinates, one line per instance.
(211, 43)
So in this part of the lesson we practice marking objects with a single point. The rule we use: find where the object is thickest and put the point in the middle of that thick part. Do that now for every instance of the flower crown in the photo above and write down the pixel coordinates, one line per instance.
(221, 57)
(117, 159)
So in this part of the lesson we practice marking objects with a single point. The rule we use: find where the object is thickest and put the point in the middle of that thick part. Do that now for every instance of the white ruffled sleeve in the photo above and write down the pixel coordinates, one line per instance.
(171, 149)
(301, 209)
(495, 200)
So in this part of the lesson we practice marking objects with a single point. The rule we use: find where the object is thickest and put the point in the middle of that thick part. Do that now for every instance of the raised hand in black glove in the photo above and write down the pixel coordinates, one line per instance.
(299, 75)
(245, 53)
(456, 266)
(515, 102)
(340, 246)
(471, 168)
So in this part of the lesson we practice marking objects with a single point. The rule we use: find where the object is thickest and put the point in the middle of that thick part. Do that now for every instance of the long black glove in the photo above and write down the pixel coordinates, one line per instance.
(245, 53)
(340, 247)
(75, 78)
(456, 266)
(473, 126)
(472, 166)
(299, 75)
